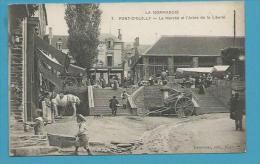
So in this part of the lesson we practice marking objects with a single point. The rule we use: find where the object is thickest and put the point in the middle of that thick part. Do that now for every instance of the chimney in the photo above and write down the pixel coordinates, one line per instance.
(50, 34)
(234, 39)
(136, 44)
(119, 34)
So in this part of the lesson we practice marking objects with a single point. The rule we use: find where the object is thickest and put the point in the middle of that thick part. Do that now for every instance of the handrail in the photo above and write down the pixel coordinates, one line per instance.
(91, 102)
(132, 97)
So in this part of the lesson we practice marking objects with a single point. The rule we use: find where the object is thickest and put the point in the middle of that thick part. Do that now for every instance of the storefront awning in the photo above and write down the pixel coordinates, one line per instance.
(220, 68)
(194, 70)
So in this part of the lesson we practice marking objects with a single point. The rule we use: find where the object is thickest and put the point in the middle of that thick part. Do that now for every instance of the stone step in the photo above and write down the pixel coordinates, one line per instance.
(109, 113)
(106, 96)
(210, 102)
(101, 101)
(206, 110)
(107, 110)
(32, 150)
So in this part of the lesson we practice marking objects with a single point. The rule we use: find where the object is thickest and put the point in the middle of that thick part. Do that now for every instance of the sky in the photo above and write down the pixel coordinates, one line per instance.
(149, 21)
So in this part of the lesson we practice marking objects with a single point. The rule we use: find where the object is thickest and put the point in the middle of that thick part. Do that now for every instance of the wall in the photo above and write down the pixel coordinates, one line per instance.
(102, 53)
(40, 13)
(152, 96)
(138, 99)
(117, 56)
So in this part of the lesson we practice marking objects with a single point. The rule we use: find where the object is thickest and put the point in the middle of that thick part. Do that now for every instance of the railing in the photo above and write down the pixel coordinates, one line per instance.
(131, 100)
(221, 90)
(90, 97)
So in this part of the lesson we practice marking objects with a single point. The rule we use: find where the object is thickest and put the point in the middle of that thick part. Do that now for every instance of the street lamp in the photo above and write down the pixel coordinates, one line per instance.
(234, 66)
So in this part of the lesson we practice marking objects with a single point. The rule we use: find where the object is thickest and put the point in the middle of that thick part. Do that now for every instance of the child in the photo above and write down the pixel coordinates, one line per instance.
(38, 124)
(81, 136)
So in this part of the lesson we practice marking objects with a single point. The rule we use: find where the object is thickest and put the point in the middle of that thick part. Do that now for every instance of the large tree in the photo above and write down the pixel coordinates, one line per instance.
(83, 27)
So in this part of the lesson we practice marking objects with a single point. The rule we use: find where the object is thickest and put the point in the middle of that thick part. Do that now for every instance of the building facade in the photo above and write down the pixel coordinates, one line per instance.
(172, 52)
(25, 23)
(109, 59)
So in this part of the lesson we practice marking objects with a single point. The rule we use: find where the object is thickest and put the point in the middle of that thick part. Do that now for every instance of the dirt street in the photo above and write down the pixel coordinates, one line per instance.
(212, 133)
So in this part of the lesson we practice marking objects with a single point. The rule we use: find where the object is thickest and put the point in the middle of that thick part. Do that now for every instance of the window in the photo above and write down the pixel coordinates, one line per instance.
(59, 46)
(109, 61)
(109, 44)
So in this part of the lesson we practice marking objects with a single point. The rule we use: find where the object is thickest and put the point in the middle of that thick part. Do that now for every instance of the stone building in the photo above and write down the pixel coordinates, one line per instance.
(172, 52)
(109, 60)
(25, 23)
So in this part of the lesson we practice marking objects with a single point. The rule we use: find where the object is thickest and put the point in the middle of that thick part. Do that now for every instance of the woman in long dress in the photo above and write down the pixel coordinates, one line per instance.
(124, 97)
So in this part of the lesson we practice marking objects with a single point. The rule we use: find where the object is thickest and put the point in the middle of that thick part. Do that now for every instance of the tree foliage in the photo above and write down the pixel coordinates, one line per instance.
(83, 22)
(230, 54)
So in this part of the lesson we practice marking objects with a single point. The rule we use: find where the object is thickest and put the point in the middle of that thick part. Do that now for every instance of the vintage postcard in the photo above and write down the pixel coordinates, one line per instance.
(126, 78)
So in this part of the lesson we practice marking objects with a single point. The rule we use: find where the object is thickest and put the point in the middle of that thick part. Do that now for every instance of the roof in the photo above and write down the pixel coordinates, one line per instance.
(64, 39)
(104, 36)
(142, 48)
(45, 13)
(193, 45)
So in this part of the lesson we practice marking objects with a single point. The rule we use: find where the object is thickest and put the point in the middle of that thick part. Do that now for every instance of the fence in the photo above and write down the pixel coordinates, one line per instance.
(221, 90)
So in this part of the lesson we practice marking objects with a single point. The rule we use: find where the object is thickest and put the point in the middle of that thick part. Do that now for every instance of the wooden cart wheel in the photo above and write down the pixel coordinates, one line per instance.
(184, 107)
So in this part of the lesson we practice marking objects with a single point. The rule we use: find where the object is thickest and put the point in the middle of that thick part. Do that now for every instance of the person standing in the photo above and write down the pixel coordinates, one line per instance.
(39, 123)
(54, 110)
(237, 111)
(113, 104)
(103, 82)
(151, 82)
(164, 76)
(46, 106)
(124, 97)
(82, 135)
(202, 87)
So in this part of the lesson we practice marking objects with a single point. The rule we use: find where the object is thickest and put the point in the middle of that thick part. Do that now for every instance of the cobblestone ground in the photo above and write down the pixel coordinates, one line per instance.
(211, 133)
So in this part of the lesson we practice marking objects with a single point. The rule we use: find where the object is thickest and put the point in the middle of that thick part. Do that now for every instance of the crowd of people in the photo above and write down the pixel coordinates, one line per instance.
(203, 82)
(50, 101)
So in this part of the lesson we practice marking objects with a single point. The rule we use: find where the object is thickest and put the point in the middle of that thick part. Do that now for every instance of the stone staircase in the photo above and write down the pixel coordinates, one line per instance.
(208, 103)
(101, 102)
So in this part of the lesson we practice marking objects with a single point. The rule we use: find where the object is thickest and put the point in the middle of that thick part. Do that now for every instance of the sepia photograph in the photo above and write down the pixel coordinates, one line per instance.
(126, 78)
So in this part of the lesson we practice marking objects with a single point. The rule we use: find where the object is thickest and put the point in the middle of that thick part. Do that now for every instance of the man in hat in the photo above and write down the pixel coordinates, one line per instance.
(238, 112)
(82, 135)
(113, 104)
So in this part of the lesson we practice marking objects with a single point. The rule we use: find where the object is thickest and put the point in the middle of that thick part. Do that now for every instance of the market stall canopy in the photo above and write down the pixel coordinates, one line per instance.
(194, 70)
(221, 68)
(76, 69)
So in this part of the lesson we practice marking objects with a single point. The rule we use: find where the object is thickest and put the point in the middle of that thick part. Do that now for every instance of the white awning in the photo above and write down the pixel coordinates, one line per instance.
(220, 68)
(198, 69)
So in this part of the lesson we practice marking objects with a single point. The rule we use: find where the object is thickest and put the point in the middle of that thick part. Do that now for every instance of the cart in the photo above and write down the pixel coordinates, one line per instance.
(178, 103)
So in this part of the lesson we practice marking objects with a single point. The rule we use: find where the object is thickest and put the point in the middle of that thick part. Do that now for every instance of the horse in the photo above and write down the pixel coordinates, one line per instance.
(65, 101)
